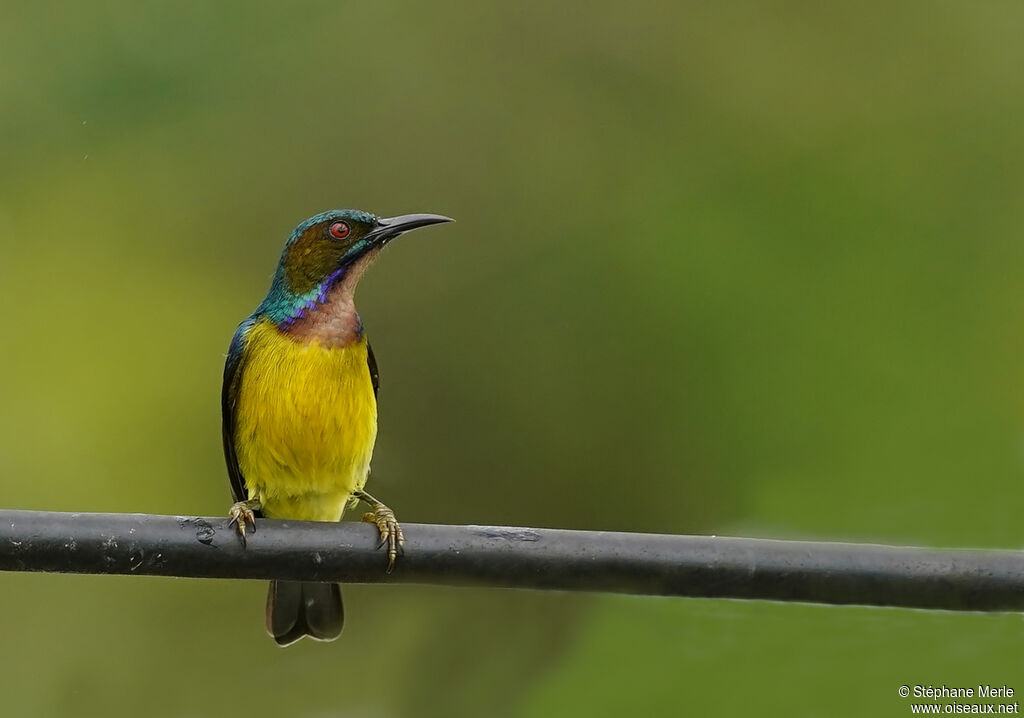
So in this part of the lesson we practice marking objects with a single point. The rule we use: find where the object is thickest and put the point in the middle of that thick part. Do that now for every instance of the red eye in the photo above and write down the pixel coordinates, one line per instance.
(339, 230)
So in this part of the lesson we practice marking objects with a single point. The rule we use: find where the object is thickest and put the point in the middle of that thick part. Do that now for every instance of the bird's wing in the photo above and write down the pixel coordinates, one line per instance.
(371, 361)
(228, 399)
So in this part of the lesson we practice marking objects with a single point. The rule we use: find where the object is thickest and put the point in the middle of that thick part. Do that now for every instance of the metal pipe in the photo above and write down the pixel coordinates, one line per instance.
(501, 556)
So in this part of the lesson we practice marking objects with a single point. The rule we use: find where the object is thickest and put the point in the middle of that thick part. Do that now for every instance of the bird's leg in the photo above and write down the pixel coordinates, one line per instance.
(388, 526)
(242, 513)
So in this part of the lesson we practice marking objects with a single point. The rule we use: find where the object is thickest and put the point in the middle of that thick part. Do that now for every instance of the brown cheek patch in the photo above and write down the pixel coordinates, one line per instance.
(310, 258)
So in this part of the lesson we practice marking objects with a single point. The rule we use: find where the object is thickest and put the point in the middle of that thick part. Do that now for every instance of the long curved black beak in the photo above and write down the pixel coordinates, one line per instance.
(390, 227)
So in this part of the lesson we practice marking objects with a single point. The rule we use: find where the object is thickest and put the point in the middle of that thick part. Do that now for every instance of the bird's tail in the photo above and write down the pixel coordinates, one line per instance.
(297, 609)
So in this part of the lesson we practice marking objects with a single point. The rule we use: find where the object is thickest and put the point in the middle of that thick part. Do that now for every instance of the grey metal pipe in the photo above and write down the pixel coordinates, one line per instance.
(653, 564)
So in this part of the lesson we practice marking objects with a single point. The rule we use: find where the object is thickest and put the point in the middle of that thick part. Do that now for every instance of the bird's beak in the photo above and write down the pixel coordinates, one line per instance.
(390, 227)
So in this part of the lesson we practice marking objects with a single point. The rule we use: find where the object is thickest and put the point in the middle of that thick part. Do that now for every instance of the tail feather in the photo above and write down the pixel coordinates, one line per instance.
(297, 609)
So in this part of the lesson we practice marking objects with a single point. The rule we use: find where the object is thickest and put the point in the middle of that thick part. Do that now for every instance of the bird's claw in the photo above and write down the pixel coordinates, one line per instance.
(242, 514)
(390, 531)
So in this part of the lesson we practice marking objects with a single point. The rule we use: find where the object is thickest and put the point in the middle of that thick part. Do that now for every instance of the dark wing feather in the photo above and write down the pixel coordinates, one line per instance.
(229, 394)
(371, 361)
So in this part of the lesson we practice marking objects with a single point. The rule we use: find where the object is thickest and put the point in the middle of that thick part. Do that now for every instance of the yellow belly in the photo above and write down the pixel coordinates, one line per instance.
(306, 422)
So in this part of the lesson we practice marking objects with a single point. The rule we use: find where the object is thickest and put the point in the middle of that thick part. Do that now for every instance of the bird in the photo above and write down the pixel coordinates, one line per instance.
(299, 403)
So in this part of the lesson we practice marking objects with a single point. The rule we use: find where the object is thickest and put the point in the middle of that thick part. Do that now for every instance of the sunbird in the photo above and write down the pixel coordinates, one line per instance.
(299, 403)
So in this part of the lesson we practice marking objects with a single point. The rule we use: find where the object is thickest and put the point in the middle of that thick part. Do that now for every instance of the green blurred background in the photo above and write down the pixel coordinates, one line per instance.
(718, 268)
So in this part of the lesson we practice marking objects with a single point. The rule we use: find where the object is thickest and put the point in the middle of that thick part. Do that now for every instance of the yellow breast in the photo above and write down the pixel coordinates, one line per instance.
(306, 422)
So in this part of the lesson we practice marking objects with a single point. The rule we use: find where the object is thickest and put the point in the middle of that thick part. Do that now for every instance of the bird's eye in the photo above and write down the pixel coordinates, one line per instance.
(339, 230)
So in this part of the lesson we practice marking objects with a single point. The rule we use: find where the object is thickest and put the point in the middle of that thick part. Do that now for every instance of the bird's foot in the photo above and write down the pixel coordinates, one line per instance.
(388, 526)
(244, 513)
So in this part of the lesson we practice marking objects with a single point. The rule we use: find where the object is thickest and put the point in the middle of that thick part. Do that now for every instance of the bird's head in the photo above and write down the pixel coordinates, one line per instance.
(327, 250)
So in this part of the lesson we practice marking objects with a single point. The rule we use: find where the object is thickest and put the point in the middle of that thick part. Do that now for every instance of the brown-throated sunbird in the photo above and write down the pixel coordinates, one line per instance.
(300, 402)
